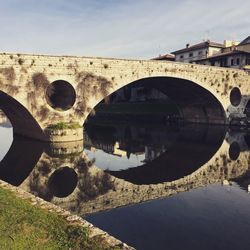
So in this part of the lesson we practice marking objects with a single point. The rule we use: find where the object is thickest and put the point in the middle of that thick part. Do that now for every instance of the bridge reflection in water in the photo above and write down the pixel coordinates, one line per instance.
(165, 153)
(124, 163)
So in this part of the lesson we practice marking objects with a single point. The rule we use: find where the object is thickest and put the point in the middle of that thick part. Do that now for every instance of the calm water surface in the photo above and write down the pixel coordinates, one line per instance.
(152, 186)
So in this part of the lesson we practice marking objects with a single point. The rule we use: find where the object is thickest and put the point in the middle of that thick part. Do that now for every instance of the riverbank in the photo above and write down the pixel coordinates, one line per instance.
(27, 222)
(137, 111)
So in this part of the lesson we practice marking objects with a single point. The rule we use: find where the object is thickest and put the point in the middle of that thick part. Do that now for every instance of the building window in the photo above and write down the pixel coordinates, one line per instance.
(248, 61)
(238, 61)
(232, 61)
(181, 56)
(200, 53)
(223, 62)
(191, 54)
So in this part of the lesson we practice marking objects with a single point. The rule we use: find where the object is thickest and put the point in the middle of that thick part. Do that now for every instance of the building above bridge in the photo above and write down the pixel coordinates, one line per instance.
(191, 53)
(230, 54)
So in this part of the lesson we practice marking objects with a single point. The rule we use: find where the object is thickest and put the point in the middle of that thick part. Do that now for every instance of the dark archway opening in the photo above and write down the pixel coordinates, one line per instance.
(20, 160)
(166, 97)
(235, 96)
(60, 95)
(23, 154)
(234, 151)
(22, 121)
(63, 182)
(177, 100)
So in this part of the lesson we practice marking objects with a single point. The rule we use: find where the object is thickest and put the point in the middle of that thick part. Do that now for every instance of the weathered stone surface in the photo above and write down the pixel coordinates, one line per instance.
(64, 135)
(24, 80)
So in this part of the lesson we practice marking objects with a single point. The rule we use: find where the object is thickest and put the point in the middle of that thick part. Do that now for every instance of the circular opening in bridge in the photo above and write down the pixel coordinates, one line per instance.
(235, 96)
(234, 151)
(63, 182)
(60, 95)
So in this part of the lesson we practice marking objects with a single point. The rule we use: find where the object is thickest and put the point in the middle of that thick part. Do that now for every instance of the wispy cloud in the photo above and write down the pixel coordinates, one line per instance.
(130, 29)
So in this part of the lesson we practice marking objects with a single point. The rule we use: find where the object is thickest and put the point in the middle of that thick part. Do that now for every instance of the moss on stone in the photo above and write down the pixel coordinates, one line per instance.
(64, 125)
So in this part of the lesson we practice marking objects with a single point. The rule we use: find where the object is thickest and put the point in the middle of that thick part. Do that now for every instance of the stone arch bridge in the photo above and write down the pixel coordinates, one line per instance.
(40, 94)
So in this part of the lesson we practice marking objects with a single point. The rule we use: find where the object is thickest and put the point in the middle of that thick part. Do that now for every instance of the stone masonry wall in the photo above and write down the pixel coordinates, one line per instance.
(26, 78)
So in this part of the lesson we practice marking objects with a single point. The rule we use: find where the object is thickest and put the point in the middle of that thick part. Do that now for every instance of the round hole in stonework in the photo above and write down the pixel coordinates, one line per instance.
(235, 96)
(60, 95)
(234, 151)
(63, 182)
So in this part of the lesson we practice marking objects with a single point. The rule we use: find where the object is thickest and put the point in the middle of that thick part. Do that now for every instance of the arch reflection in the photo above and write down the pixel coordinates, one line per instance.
(166, 153)
(175, 159)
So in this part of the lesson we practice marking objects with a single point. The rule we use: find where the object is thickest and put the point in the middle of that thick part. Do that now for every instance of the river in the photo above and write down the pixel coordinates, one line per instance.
(153, 186)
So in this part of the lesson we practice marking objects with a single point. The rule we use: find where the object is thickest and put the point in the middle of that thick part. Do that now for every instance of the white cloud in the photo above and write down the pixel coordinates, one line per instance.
(131, 29)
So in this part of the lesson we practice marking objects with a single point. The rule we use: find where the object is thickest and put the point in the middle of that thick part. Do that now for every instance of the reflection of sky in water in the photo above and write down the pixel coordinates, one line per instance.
(214, 217)
(6, 138)
(106, 161)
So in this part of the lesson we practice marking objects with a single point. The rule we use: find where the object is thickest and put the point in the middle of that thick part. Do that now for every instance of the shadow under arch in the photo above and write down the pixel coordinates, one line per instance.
(194, 103)
(22, 121)
(20, 160)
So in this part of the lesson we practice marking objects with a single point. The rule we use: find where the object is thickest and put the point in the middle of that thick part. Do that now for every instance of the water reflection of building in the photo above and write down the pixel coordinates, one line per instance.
(150, 141)
(110, 148)
(118, 151)
(151, 152)
(137, 93)
(123, 148)
(4, 121)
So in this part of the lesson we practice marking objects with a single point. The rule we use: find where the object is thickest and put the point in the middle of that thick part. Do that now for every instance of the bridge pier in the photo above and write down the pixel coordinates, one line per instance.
(54, 134)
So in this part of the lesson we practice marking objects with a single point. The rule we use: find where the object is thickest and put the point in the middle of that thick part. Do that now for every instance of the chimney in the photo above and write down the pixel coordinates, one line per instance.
(187, 45)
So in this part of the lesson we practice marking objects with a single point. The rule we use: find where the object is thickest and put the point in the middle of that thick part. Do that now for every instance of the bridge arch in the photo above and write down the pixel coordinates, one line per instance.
(19, 162)
(194, 102)
(22, 121)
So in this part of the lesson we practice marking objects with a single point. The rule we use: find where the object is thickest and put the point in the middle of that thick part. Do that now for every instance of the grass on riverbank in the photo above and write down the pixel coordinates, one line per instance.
(23, 226)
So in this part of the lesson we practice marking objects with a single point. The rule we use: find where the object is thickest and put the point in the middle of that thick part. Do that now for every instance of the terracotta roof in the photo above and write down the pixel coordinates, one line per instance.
(218, 55)
(164, 57)
(200, 46)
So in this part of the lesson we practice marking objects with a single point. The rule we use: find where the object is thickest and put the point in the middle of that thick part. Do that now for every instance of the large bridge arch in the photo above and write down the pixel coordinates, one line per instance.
(180, 150)
(194, 102)
(21, 119)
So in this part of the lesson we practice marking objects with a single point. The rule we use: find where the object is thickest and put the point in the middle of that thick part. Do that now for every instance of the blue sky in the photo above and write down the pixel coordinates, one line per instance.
(122, 29)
